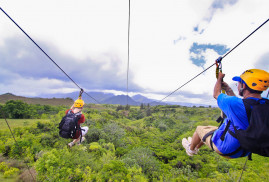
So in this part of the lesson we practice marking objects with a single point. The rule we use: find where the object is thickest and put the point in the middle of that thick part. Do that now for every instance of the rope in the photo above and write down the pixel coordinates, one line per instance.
(46, 54)
(129, 19)
(214, 63)
(243, 170)
(4, 116)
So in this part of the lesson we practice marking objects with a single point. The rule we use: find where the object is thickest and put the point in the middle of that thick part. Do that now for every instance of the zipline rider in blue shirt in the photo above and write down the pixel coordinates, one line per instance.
(250, 85)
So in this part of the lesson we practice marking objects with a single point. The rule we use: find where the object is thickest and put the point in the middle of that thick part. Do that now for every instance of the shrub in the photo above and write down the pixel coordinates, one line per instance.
(94, 147)
(162, 127)
(143, 157)
(8, 171)
(93, 135)
(115, 170)
(224, 166)
(3, 167)
(113, 133)
(62, 164)
(11, 172)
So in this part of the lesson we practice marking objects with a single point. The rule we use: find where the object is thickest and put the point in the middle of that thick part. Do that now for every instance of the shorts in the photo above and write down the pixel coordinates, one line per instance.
(202, 131)
(84, 130)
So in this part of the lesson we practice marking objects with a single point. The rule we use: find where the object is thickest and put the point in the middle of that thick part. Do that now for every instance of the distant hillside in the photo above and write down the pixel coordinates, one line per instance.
(121, 99)
(142, 99)
(42, 101)
(99, 96)
(104, 98)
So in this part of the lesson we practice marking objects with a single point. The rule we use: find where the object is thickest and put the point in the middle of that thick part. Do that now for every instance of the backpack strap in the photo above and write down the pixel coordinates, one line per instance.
(78, 114)
(248, 103)
(78, 128)
(70, 111)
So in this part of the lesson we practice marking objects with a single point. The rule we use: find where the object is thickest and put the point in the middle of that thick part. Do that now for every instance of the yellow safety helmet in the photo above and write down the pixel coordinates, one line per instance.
(79, 103)
(255, 79)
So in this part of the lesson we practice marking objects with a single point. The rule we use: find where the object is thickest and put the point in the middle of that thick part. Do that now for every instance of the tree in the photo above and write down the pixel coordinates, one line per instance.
(127, 107)
(148, 113)
(120, 107)
(17, 109)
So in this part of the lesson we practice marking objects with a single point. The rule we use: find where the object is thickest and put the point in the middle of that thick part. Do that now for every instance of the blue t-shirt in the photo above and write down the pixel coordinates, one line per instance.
(235, 111)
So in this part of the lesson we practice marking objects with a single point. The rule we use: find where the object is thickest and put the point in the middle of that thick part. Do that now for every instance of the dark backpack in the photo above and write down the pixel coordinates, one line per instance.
(255, 138)
(69, 125)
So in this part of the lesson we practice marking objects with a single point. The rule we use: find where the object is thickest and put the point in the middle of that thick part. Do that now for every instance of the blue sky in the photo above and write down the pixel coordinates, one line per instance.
(197, 50)
(170, 42)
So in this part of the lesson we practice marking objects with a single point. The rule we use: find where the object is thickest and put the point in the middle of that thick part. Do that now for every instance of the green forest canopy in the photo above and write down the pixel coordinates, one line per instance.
(138, 144)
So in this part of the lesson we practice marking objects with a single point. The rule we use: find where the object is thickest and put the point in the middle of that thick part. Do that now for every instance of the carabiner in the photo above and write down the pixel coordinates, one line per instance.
(81, 92)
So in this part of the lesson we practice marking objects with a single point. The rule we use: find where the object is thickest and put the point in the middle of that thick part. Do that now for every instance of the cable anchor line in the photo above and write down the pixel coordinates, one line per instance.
(218, 60)
(47, 55)
(16, 143)
(127, 83)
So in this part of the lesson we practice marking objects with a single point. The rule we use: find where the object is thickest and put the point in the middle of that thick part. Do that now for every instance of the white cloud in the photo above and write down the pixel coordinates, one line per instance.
(34, 87)
(161, 34)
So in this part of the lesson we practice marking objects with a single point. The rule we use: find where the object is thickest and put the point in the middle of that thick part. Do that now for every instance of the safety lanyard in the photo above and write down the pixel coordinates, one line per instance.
(219, 69)
(80, 93)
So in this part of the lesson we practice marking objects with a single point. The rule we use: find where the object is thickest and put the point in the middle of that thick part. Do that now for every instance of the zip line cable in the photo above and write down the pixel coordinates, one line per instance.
(129, 19)
(47, 54)
(215, 63)
(4, 116)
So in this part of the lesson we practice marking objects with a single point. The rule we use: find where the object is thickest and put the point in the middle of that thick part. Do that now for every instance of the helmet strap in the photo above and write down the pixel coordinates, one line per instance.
(241, 90)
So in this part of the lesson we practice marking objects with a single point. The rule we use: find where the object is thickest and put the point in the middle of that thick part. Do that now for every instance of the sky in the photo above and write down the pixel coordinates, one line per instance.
(170, 42)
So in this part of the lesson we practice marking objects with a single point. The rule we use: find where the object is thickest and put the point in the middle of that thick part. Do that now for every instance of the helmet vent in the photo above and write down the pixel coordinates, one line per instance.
(254, 84)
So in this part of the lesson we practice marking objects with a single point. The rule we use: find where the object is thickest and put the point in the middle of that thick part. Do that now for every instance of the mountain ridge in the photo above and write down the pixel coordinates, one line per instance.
(103, 98)
(36, 100)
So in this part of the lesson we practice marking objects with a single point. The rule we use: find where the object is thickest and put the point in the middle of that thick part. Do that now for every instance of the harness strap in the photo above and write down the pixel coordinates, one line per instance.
(239, 148)
(225, 130)
(220, 120)
(229, 154)
(207, 135)
(234, 152)
(232, 133)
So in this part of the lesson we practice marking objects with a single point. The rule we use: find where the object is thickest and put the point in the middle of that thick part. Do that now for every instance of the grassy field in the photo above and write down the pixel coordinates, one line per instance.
(10, 179)
(14, 123)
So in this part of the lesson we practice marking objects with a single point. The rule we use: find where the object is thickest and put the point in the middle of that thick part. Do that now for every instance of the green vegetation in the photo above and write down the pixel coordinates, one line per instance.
(122, 144)
(16, 123)
(17, 109)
